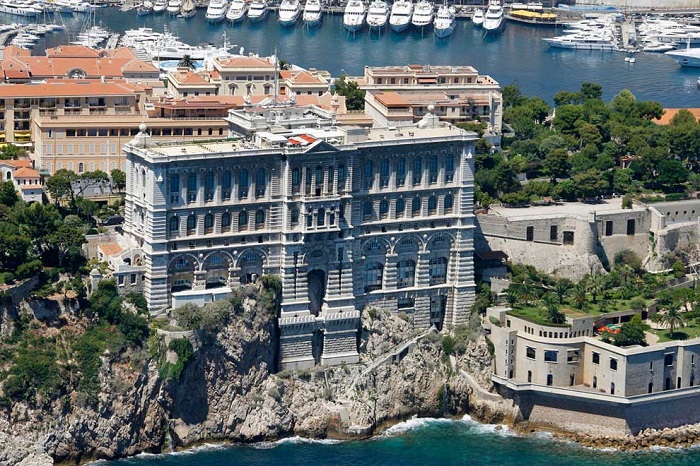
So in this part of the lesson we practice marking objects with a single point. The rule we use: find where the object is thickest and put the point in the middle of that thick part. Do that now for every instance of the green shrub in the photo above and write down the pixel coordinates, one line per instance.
(183, 348)
(138, 300)
(7, 278)
(678, 269)
(448, 344)
(28, 269)
(626, 201)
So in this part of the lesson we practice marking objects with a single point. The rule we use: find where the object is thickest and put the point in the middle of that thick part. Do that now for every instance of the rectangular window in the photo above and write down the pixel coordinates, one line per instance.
(572, 356)
(596, 358)
(550, 356)
(568, 237)
(553, 233)
(608, 228)
(630, 227)
(668, 359)
(530, 352)
(613, 364)
(530, 234)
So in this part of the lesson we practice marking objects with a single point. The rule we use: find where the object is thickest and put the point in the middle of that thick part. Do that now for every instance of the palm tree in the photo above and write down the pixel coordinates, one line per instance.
(551, 304)
(512, 296)
(579, 295)
(561, 289)
(527, 292)
(187, 62)
(672, 318)
(283, 64)
(596, 287)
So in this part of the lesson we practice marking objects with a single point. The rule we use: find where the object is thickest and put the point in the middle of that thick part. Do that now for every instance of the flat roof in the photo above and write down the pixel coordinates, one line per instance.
(564, 208)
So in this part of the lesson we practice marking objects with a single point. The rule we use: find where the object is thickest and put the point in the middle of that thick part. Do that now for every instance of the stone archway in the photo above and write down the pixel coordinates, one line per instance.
(316, 282)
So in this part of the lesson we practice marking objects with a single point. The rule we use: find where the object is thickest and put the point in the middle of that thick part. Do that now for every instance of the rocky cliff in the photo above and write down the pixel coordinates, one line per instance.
(228, 391)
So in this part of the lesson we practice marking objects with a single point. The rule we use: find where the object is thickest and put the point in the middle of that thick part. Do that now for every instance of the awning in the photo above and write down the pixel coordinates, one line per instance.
(427, 80)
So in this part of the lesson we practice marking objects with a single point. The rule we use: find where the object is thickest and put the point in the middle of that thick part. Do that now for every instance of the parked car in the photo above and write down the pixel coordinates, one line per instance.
(113, 220)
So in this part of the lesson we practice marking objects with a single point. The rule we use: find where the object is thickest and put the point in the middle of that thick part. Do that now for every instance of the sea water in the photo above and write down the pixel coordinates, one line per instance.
(517, 55)
(420, 442)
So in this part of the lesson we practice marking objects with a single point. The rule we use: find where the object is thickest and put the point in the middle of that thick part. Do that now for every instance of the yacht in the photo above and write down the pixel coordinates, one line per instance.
(159, 6)
(312, 13)
(216, 11)
(236, 12)
(400, 18)
(422, 14)
(354, 17)
(257, 11)
(188, 9)
(444, 24)
(493, 19)
(478, 17)
(289, 12)
(687, 57)
(377, 14)
(146, 8)
(583, 41)
(12, 8)
(174, 7)
(80, 6)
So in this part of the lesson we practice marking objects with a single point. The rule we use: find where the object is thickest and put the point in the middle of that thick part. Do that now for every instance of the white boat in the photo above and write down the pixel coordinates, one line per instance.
(12, 8)
(257, 11)
(354, 16)
(478, 17)
(689, 57)
(146, 8)
(493, 19)
(583, 41)
(174, 7)
(159, 6)
(216, 11)
(80, 6)
(312, 13)
(445, 21)
(422, 14)
(236, 12)
(289, 12)
(400, 18)
(188, 9)
(377, 14)
(61, 6)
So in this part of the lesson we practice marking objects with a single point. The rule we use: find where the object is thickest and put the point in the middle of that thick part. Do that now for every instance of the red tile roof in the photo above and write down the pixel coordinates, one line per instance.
(25, 172)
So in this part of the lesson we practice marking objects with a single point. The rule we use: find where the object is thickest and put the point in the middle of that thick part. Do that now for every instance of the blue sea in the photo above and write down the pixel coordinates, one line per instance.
(419, 442)
(517, 55)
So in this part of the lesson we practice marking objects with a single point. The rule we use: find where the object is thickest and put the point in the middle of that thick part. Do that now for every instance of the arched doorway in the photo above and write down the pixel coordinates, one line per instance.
(316, 282)
(251, 265)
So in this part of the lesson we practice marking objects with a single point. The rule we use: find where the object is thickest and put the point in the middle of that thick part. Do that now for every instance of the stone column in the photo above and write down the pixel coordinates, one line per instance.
(200, 280)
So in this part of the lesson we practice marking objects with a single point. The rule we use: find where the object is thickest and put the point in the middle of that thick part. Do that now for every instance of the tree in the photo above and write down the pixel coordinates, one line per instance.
(90, 179)
(118, 179)
(66, 238)
(283, 64)
(591, 91)
(354, 96)
(561, 289)
(60, 185)
(671, 174)
(632, 333)
(589, 184)
(566, 118)
(556, 163)
(8, 194)
(551, 303)
(672, 319)
(187, 62)
(11, 152)
(14, 247)
(512, 97)
(578, 294)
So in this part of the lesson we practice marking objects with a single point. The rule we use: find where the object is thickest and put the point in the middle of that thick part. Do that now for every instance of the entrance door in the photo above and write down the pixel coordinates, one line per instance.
(316, 280)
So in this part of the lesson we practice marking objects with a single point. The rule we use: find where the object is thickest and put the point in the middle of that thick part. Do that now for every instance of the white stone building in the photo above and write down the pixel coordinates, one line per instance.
(345, 217)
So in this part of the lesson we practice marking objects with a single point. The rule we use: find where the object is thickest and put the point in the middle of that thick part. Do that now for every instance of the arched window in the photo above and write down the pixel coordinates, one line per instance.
(81, 167)
(8, 175)
(208, 223)
(449, 202)
(260, 182)
(259, 217)
(417, 170)
(383, 208)
(191, 224)
(310, 219)
(330, 179)
(415, 206)
(143, 174)
(225, 221)
(373, 276)
(367, 209)
(243, 184)
(405, 273)
(243, 220)
(174, 224)
(295, 216)
(400, 207)
(385, 168)
(438, 271)
(321, 217)
(432, 204)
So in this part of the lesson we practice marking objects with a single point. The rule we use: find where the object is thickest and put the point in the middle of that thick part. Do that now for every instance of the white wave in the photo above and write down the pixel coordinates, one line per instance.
(294, 441)
(412, 424)
(494, 429)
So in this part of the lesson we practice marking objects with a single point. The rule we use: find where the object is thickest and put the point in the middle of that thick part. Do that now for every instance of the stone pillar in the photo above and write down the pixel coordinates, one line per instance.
(234, 276)
(200, 280)
(340, 338)
(390, 271)
(422, 279)
(296, 342)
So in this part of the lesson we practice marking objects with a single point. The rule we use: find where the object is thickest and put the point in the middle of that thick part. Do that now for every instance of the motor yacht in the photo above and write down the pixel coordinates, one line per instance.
(11, 8)
(236, 12)
(216, 11)
(289, 12)
(478, 17)
(377, 14)
(444, 24)
(400, 18)
(354, 17)
(493, 19)
(188, 9)
(174, 7)
(422, 14)
(257, 11)
(689, 57)
(146, 8)
(583, 41)
(312, 13)
(160, 6)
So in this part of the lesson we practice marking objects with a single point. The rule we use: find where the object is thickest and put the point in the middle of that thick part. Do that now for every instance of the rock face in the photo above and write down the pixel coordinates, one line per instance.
(228, 391)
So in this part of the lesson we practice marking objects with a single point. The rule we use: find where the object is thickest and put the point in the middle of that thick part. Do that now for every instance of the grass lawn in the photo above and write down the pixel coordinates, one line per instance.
(534, 315)
(685, 333)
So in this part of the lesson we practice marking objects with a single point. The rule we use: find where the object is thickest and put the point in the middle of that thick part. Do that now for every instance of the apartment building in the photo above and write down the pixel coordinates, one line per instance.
(26, 179)
(346, 217)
